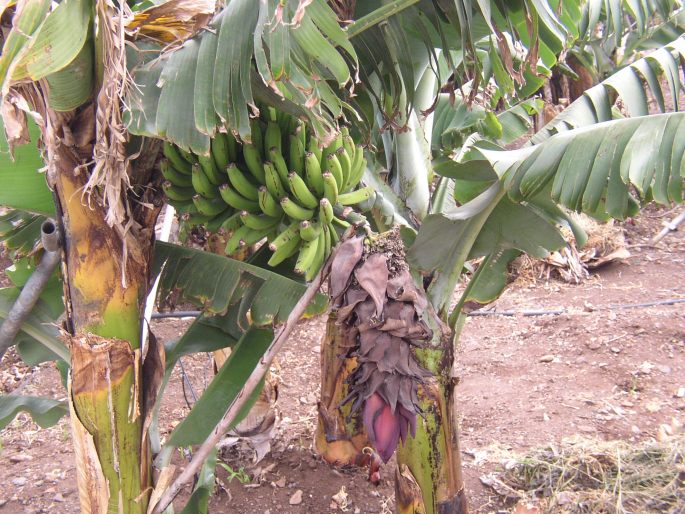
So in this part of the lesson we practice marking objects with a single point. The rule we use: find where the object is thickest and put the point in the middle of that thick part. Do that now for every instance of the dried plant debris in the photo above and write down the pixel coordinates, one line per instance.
(589, 476)
(605, 244)
(380, 305)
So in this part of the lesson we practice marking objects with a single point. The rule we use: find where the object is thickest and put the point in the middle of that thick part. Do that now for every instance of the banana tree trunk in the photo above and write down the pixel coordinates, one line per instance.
(387, 380)
(428, 478)
(105, 286)
(340, 435)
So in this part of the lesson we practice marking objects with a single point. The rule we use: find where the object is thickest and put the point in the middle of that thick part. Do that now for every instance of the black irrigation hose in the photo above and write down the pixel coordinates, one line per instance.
(185, 380)
(610, 307)
(176, 314)
(535, 312)
(33, 288)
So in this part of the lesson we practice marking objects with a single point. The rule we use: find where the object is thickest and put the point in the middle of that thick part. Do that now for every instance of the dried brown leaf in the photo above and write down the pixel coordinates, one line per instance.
(373, 277)
(401, 287)
(346, 259)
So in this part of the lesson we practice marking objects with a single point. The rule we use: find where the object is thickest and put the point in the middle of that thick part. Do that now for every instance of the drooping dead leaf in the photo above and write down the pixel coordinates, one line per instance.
(372, 276)
(91, 481)
(401, 287)
(598, 261)
(346, 259)
(14, 119)
(173, 21)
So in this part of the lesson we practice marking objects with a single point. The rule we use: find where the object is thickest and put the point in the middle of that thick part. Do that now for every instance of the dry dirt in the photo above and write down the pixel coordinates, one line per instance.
(597, 370)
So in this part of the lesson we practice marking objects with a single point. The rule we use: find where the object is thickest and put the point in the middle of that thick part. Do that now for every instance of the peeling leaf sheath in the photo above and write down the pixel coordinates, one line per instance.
(103, 391)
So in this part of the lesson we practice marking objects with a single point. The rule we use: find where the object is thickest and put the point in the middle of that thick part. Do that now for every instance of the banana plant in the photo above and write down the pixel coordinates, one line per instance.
(384, 105)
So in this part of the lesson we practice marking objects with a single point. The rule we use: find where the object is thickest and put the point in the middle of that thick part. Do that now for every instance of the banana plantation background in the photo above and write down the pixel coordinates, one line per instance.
(375, 168)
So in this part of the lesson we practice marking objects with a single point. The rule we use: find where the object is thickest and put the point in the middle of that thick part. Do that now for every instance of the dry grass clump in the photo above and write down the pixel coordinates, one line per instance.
(605, 244)
(587, 476)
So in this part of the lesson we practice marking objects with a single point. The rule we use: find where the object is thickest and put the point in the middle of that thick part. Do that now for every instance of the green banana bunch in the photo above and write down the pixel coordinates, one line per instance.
(283, 185)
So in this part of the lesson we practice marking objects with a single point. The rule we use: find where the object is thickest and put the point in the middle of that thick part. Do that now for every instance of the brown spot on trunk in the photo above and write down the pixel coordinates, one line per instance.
(97, 362)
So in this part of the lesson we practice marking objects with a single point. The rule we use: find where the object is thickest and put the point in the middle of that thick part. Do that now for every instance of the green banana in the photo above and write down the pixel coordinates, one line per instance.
(177, 161)
(279, 163)
(325, 211)
(332, 147)
(333, 165)
(253, 160)
(224, 149)
(319, 257)
(209, 207)
(273, 181)
(272, 137)
(182, 206)
(309, 231)
(293, 124)
(357, 169)
(211, 170)
(268, 204)
(188, 156)
(286, 250)
(330, 187)
(201, 182)
(178, 193)
(301, 134)
(313, 173)
(306, 257)
(232, 223)
(301, 192)
(286, 235)
(345, 166)
(295, 211)
(257, 137)
(233, 242)
(341, 223)
(241, 183)
(333, 235)
(349, 146)
(228, 221)
(258, 221)
(296, 155)
(245, 236)
(177, 178)
(355, 197)
(285, 245)
(235, 200)
(313, 147)
(328, 232)
(194, 219)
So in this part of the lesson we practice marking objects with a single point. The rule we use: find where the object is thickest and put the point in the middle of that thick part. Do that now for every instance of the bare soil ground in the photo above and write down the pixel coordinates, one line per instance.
(600, 371)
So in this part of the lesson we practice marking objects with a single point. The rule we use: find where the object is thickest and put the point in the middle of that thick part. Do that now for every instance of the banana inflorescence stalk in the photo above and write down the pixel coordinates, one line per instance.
(283, 186)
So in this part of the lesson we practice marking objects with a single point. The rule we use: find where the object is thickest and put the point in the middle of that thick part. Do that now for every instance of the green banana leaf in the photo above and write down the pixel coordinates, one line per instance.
(44, 411)
(591, 168)
(491, 277)
(57, 42)
(630, 85)
(204, 335)
(223, 389)
(23, 186)
(51, 297)
(198, 503)
(212, 75)
(217, 283)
